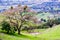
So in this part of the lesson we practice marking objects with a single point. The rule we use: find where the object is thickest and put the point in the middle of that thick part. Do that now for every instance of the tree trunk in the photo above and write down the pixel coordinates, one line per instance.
(19, 27)
(8, 32)
(19, 31)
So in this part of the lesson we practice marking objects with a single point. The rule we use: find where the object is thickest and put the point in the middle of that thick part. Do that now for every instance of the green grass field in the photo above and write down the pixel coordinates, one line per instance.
(48, 34)
(44, 34)
(51, 34)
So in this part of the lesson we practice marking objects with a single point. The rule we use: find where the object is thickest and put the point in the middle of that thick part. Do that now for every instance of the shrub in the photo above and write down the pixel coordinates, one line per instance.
(43, 26)
(53, 21)
(57, 21)
(50, 23)
(7, 27)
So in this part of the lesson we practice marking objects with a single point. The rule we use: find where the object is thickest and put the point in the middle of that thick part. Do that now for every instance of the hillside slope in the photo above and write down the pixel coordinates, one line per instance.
(51, 34)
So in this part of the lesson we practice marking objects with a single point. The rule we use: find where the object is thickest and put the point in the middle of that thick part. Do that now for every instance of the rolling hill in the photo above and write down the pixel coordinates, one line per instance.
(51, 34)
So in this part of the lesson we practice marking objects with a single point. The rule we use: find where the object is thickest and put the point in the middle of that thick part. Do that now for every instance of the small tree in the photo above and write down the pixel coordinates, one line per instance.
(50, 22)
(5, 26)
(57, 21)
(19, 17)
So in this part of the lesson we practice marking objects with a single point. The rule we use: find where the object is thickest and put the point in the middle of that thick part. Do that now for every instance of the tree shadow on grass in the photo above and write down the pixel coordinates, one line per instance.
(15, 34)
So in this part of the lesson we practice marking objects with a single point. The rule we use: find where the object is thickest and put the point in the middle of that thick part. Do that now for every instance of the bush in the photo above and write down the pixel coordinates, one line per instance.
(53, 21)
(57, 21)
(50, 23)
(43, 26)
(7, 27)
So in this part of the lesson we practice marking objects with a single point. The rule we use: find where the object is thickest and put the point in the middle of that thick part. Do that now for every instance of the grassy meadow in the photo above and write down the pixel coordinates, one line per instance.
(41, 34)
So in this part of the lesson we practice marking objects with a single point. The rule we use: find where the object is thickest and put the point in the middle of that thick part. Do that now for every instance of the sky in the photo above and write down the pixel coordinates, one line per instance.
(32, 2)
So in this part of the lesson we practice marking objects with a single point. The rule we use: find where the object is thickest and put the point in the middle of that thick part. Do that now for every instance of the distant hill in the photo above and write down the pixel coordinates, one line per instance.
(43, 15)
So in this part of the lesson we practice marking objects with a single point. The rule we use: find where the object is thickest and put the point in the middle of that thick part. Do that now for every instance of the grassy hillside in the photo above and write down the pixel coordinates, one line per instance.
(2, 17)
(47, 34)
(51, 34)
(14, 37)
(43, 15)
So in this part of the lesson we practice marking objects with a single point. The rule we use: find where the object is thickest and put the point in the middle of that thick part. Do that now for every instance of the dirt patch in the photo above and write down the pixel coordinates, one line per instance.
(35, 33)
